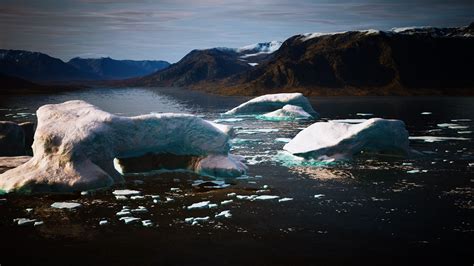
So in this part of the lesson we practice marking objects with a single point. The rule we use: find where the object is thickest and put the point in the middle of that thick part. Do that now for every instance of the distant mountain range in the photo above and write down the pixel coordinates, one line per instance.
(402, 61)
(40, 67)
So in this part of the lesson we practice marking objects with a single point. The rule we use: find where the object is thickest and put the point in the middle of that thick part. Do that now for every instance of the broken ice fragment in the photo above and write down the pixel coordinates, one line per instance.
(266, 197)
(129, 219)
(103, 222)
(147, 223)
(125, 192)
(199, 205)
(224, 214)
(24, 221)
(285, 199)
(317, 196)
(65, 205)
(224, 202)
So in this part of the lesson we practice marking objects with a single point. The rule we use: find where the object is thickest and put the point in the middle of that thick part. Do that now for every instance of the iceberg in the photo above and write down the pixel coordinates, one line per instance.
(271, 102)
(323, 140)
(287, 113)
(75, 145)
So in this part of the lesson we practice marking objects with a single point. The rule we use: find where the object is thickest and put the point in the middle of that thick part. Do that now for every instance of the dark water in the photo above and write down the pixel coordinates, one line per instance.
(385, 211)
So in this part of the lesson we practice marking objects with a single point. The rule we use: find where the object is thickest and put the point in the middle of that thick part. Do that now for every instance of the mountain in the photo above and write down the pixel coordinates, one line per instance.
(210, 65)
(108, 68)
(398, 62)
(36, 66)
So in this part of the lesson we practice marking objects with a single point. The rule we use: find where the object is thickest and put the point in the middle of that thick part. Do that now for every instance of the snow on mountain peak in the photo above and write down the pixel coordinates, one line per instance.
(264, 47)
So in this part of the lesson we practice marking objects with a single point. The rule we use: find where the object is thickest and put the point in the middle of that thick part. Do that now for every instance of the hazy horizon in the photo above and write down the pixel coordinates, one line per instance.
(168, 30)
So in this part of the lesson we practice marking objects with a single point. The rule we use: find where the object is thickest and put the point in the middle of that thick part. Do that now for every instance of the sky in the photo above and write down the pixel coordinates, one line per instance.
(169, 29)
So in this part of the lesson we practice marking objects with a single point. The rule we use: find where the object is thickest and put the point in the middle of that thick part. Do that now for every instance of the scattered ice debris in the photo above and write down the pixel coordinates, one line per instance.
(407, 164)
(199, 205)
(435, 138)
(103, 222)
(125, 192)
(318, 196)
(24, 221)
(129, 219)
(137, 197)
(168, 199)
(458, 127)
(284, 140)
(464, 132)
(266, 197)
(147, 223)
(84, 193)
(323, 140)
(140, 209)
(65, 205)
(210, 184)
(233, 194)
(246, 197)
(426, 113)
(38, 223)
(265, 186)
(121, 197)
(285, 199)
(262, 191)
(224, 214)
(196, 220)
(225, 202)
(461, 120)
(253, 64)
(28, 210)
(175, 189)
(364, 114)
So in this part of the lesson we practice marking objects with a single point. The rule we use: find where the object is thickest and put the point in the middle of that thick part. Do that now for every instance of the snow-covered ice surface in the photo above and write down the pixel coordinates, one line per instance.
(376, 203)
(287, 112)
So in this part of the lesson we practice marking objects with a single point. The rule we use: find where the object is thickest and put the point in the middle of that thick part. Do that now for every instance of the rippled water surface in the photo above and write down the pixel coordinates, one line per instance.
(375, 211)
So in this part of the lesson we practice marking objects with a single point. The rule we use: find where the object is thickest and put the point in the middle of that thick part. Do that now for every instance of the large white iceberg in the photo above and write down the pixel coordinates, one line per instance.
(271, 102)
(288, 112)
(75, 145)
(323, 140)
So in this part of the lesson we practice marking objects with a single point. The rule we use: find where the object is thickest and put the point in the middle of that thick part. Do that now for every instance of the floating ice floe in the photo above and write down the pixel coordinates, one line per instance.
(24, 221)
(196, 220)
(38, 223)
(76, 143)
(224, 214)
(287, 113)
(103, 222)
(461, 120)
(125, 192)
(364, 114)
(285, 199)
(147, 223)
(272, 102)
(284, 140)
(458, 127)
(199, 205)
(464, 132)
(435, 138)
(426, 113)
(140, 209)
(233, 194)
(121, 198)
(447, 125)
(137, 197)
(225, 202)
(129, 219)
(318, 196)
(323, 140)
(65, 205)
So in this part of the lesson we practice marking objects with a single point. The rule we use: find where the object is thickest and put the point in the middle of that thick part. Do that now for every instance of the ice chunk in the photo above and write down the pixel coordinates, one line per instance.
(221, 166)
(121, 198)
(435, 138)
(196, 220)
(272, 102)
(464, 132)
(287, 113)
(447, 125)
(364, 114)
(224, 214)
(228, 120)
(266, 197)
(147, 223)
(225, 202)
(137, 197)
(125, 192)
(38, 223)
(123, 212)
(318, 196)
(129, 219)
(199, 205)
(140, 209)
(103, 222)
(76, 143)
(285, 199)
(284, 140)
(323, 140)
(426, 113)
(24, 221)
(66, 205)
(233, 194)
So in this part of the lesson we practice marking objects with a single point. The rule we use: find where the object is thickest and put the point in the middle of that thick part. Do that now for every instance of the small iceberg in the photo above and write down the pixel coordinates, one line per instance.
(287, 113)
(196, 220)
(271, 102)
(376, 136)
(65, 205)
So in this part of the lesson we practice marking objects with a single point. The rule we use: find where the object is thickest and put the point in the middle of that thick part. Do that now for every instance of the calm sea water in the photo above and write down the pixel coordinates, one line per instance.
(375, 211)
